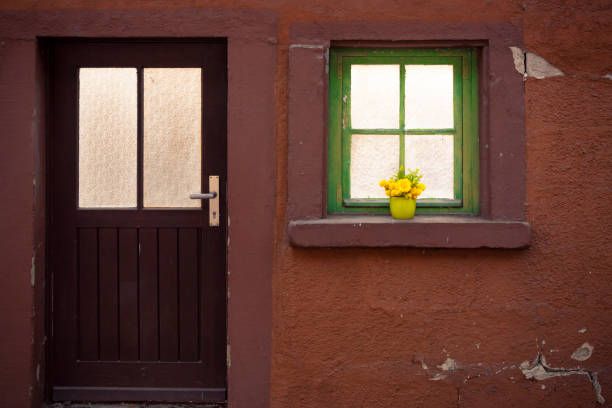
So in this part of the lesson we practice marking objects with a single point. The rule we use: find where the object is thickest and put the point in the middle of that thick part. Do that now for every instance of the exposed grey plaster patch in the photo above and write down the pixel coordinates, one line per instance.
(33, 271)
(583, 330)
(532, 65)
(608, 76)
(438, 377)
(539, 370)
(538, 67)
(518, 55)
(448, 365)
(583, 352)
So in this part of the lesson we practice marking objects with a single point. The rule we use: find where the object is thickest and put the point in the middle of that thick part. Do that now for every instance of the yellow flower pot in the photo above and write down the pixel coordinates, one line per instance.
(402, 208)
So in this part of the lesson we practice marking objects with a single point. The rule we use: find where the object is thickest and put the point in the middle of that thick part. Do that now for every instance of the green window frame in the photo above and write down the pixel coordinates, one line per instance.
(464, 131)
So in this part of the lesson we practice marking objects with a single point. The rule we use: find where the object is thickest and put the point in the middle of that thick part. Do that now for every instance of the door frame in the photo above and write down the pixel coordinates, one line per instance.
(251, 188)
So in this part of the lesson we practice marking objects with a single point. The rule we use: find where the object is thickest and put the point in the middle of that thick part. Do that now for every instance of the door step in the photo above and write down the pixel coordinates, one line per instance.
(129, 405)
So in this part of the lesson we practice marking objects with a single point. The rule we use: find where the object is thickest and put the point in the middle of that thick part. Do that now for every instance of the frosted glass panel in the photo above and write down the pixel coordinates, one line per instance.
(429, 96)
(373, 158)
(375, 96)
(107, 137)
(172, 136)
(433, 156)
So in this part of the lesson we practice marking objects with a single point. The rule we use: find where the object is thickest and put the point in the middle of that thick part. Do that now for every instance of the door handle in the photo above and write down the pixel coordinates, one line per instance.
(203, 196)
(213, 196)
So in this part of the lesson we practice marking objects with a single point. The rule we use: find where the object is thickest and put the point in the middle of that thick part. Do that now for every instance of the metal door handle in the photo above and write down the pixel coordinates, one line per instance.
(203, 196)
(213, 196)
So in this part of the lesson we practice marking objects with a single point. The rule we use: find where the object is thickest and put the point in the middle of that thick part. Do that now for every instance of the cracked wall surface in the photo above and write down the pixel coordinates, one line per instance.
(411, 327)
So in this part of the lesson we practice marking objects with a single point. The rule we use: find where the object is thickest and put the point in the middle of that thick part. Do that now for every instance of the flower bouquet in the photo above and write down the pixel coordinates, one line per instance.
(402, 190)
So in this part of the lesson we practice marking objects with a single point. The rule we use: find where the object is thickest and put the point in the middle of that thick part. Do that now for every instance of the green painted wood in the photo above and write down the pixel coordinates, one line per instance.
(458, 122)
(384, 202)
(465, 132)
(402, 114)
(346, 131)
(334, 161)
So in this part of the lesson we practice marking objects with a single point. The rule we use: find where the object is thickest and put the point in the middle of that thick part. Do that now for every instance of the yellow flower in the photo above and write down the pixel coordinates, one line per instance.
(414, 191)
(404, 185)
(383, 183)
(421, 186)
(395, 193)
(388, 193)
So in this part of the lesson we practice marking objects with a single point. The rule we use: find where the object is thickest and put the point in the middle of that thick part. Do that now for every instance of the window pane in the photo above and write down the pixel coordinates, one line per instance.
(107, 137)
(429, 97)
(433, 156)
(375, 96)
(373, 158)
(172, 136)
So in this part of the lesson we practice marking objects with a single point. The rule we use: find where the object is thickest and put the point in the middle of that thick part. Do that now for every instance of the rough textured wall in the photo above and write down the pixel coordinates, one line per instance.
(439, 328)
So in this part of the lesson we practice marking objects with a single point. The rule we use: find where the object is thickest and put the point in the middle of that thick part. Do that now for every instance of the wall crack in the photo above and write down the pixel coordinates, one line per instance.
(539, 370)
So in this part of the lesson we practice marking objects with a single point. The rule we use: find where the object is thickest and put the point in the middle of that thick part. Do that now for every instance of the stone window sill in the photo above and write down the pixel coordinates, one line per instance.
(424, 231)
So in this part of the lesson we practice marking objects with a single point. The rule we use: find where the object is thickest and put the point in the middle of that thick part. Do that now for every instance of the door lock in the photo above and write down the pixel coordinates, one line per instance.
(213, 196)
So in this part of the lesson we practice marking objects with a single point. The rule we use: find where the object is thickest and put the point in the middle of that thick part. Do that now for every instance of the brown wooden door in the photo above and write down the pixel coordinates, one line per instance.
(137, 272)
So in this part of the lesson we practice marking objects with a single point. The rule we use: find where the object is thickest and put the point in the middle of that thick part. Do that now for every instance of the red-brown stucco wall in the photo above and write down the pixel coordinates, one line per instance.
(374, 327)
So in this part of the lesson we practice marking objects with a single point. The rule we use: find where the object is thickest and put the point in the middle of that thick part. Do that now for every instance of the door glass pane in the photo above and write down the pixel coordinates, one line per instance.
(429, 97)
(433, 156)
(107, 137)
(373, 158)
(375, 96)
(172, 136)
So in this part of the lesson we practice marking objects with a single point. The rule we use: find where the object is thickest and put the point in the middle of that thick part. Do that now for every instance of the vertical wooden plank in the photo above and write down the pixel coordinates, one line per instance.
(88, 293)
(128, 294)
(168, 295)
(109, 302)
(188, 294)
(147, 295)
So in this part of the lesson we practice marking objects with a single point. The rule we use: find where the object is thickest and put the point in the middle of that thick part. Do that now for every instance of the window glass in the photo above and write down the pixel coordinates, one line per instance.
(107, 137)
(433, 156)
(172, 147)
(374, 96)
(373, 157)
(429, 97)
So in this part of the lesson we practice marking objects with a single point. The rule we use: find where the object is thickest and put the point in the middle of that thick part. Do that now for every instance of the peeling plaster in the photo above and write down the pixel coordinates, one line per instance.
(532, 65)
(583, 330)
(608, 76)
(448, 365)
(539, 371)
(583, 352)
(518, 55)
